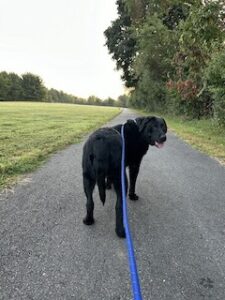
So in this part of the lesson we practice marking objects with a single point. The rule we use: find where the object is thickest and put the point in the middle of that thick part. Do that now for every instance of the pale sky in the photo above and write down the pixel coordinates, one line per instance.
(62, 41)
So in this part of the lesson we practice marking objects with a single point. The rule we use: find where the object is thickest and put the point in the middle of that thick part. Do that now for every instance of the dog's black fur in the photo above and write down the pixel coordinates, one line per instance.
(102, 160)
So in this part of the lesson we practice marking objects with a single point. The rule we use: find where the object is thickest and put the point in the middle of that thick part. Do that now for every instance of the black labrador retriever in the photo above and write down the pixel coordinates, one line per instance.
(102, 160)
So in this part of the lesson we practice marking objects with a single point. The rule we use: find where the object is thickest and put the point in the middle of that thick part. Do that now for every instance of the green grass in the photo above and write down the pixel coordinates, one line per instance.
(29, 132)
(203, 135)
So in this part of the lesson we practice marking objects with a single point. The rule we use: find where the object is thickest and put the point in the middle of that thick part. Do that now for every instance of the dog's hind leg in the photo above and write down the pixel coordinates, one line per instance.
(89, 185)
(119, 208)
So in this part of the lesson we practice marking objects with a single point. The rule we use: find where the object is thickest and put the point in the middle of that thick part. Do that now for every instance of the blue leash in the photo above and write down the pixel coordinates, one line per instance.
(132, 262)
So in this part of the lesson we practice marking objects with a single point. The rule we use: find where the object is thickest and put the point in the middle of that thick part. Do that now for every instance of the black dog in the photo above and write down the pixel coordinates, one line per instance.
(102, 160)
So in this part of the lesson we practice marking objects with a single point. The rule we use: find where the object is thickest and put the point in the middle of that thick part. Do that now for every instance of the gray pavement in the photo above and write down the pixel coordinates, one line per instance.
(178, 228)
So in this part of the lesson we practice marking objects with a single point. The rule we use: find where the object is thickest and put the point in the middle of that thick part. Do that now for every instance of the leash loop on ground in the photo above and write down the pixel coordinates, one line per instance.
(130, 249)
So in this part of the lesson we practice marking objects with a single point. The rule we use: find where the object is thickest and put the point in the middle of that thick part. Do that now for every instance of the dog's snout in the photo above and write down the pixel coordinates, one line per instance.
(162, 139)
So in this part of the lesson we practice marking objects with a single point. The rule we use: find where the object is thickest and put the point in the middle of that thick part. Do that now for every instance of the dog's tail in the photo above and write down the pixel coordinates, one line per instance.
(101, 163)
(101, 186)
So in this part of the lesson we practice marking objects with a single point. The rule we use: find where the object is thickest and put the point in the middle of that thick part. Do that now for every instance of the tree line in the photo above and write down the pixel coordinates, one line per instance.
(30, 87)
(15, 87)
(172, 55)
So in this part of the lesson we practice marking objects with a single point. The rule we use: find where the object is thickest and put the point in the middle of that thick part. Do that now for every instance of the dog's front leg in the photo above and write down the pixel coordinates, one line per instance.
(133, 172)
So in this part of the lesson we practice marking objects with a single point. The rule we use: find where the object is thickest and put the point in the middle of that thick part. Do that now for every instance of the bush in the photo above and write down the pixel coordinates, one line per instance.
(215, 77)
(183, 98)
(219, 105)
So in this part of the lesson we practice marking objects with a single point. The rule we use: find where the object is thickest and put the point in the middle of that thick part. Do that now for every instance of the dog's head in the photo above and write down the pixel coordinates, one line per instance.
(153, 130)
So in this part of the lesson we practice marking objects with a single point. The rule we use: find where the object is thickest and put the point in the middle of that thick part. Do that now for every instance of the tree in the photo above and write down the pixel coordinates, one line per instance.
(4, 86)
(122, 45)
(15, 87)
(123, 100)
(33, 87)
(109, 102)
(173, 43)
(199, 37)
(157, 45)
(175, 14)
(142, 51)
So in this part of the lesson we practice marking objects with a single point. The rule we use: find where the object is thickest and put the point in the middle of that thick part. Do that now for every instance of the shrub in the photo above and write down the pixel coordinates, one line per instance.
(215, 78)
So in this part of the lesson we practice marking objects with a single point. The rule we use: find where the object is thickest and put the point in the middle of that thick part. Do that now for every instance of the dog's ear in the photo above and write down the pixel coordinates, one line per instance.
(142, 122)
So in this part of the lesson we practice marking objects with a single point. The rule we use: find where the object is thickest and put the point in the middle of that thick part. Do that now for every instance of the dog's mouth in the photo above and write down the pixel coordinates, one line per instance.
(159, 145)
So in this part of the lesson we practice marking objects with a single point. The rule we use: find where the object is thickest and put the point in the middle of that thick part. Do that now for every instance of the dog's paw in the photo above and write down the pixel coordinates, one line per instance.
(133, 197)
(121, 232)
(88, 221)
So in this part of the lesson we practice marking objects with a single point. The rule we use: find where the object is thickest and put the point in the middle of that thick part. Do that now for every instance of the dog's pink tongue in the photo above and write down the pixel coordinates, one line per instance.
(158, 145)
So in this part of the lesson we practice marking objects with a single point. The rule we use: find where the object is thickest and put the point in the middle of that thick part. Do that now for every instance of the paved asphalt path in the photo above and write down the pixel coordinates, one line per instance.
(178, 226)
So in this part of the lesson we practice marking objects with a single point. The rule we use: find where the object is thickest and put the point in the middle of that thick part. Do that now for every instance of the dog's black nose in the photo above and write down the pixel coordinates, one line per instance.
(162, 139)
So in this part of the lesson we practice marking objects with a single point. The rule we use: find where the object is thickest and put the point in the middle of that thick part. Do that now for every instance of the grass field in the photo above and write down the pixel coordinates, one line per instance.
(203, 135)
(30, 131)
